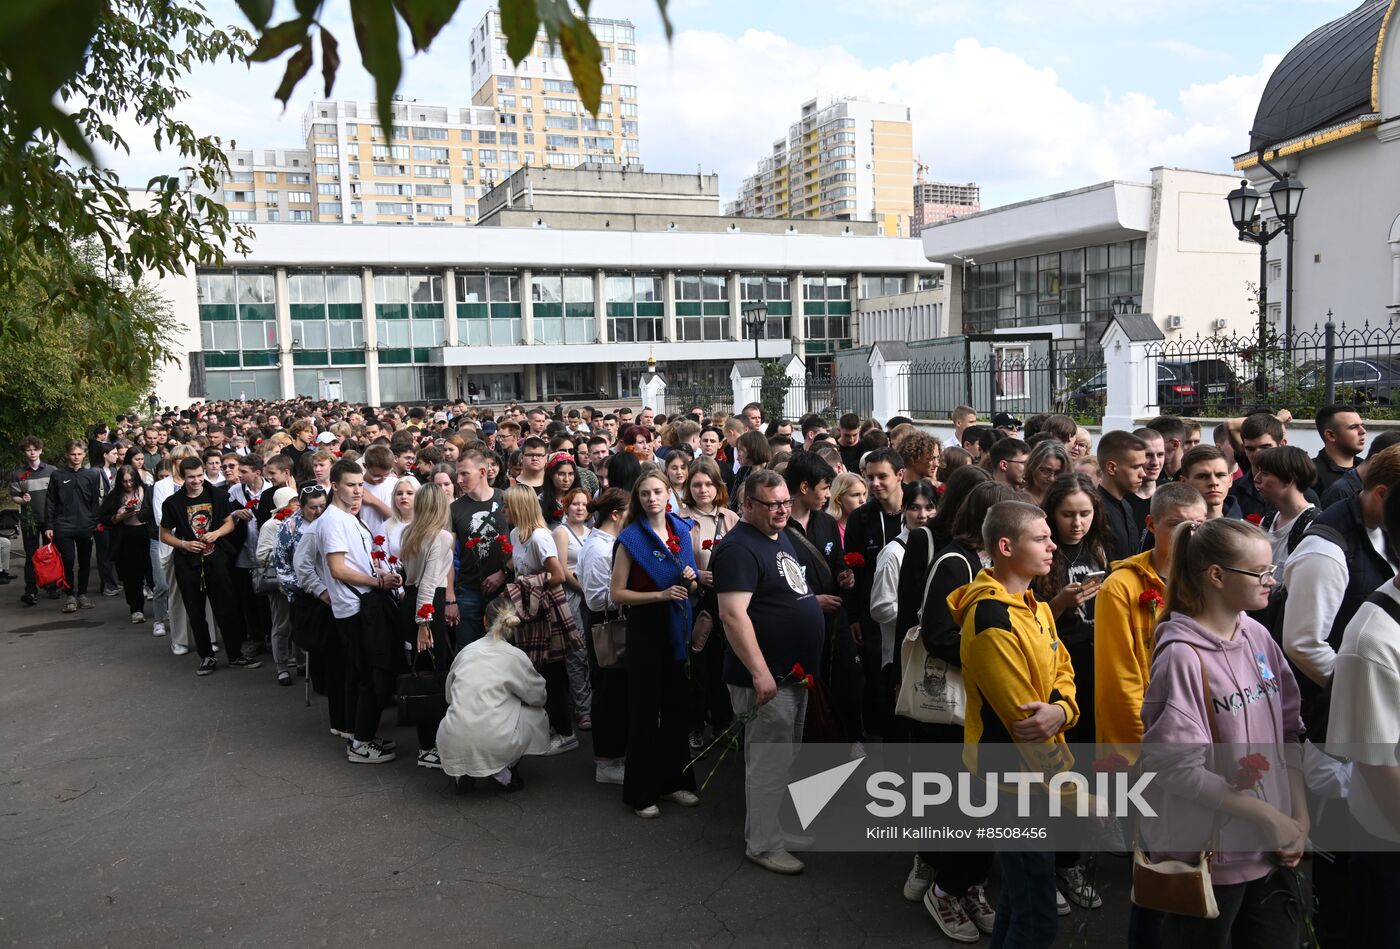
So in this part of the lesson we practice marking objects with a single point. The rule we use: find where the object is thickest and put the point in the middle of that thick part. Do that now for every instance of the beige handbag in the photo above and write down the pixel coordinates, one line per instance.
(1175, 886)
(609, 634)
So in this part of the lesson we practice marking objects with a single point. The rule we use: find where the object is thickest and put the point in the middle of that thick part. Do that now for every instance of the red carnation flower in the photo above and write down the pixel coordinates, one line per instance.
(1152, 599)
(23, 476)
(251, 504)
(506, 547)
(393, 561)
(472, 542)
(378, 539)
(706, 544)
(283, 514)
(558, 513)
(808, 682)
(668, 507)
(1255, 519)
(673, 545)
(797, 670)
(854, 559)
(1255, 762)
(425, 612)
(376, 555)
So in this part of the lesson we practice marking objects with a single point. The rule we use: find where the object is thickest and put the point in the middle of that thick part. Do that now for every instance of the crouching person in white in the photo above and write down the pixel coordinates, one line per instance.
(496, 711)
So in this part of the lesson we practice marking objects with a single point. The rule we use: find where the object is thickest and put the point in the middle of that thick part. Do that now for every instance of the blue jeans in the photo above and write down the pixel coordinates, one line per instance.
(1026, 917)
(472, 607)
(160, 591)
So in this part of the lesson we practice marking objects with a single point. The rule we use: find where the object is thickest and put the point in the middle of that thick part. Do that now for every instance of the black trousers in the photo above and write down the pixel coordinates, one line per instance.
(364, 682)
(33, 540)
(76, 549)
(609, 709)
(556, 697)
(106, 566)
(1081, 655)
(954, 871)
(441, 651)
(845, 681)
(709, 696)
(131, 556)
(876, 712)
(211, 585)
(256, 611)
(657, 746)
(325, 663)
(1261, 914)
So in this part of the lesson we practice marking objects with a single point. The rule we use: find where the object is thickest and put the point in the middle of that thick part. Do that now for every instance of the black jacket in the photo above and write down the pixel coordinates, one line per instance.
(72, 500)
(866, 535)
(1122, 522)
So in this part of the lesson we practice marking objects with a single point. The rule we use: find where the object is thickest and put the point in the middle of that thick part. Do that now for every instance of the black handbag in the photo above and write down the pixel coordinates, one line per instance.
(421, 695)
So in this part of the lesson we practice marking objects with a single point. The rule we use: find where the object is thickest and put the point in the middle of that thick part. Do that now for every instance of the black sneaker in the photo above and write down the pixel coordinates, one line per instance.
(206, 666)
(29, 599)
(243, 662)
(284, 678)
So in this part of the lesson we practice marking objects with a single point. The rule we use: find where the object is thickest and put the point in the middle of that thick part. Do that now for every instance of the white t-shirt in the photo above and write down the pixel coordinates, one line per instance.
(528, 556)
(343, 533)
(384, 491)
(1364, 716)
(1278, 538)
(160, 493)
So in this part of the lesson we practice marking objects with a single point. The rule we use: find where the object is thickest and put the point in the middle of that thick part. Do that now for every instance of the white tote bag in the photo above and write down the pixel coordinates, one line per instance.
(930, 689)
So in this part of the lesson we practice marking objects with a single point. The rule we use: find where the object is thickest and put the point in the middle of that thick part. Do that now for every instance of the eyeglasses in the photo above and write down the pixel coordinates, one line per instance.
(772, 505)
(1263, 576)
(533, 454)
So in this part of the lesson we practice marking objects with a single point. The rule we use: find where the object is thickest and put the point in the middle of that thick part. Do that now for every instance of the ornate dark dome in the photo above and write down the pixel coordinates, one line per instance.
(1323, 80)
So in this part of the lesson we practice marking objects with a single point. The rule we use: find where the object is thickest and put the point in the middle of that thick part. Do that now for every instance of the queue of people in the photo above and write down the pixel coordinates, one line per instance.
(651, 579)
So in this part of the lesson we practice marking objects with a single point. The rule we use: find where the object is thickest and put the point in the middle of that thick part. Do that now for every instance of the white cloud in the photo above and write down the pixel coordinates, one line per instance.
(980, 113)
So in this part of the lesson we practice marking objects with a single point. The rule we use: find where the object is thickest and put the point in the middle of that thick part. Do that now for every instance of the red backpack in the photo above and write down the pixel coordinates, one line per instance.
(48, 567)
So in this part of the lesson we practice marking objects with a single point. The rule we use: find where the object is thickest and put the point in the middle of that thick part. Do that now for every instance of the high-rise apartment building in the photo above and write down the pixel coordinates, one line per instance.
(936, 201)
(848, 159)
(538, 100)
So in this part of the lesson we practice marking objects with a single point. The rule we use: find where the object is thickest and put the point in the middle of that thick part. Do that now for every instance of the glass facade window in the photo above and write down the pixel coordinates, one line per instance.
(488, 308)
(237, 319)
(826, 308)
(635, 307)
(408, 310)
(563, 307)
(775, 291)
(327, 320)
(881, 286)
(702, 307)
(1072, 288)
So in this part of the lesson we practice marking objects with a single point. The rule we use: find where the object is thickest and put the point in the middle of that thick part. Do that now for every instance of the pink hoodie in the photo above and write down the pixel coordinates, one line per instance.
(1255, 707)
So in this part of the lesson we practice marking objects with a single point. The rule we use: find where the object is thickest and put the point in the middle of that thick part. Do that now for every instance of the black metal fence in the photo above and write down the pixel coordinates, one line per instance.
(681, 399)
(1020, 375)
(828, 396)
(1214, 376)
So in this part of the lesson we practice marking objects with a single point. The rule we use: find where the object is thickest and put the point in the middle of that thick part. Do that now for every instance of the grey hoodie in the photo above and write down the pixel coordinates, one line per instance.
(1254, 704)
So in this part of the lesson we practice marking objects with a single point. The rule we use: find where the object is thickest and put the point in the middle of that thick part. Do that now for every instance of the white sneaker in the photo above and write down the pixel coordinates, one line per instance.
(428, 758)
(1077, 887)
(369, 752)
(609, 771)
(158, 628)
(71, 606)
(558, 744)
(683, 798)
(138, 617)
(919, 880)
(948, 913)
(650, 812)
(978, 909)
(179, 650)
(1061, 904)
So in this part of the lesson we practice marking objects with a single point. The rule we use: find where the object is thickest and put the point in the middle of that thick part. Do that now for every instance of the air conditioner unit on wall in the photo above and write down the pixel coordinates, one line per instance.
(1174, 322)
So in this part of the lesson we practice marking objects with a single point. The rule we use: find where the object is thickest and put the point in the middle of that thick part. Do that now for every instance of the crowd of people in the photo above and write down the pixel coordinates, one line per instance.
(659, 581)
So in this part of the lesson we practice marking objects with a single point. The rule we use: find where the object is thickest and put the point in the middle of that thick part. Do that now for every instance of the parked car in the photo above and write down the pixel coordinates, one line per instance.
(1183, 387)
(1365, 380)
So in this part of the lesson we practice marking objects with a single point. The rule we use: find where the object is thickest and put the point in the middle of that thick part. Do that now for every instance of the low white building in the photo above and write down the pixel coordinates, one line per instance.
(1062, 265)
(1330, 116)
(387, 314)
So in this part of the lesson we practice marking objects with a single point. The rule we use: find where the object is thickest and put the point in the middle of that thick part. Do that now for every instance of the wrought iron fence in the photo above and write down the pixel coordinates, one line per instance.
(827, 396)
(1215, 376)
(1022, 376)
(681, 399)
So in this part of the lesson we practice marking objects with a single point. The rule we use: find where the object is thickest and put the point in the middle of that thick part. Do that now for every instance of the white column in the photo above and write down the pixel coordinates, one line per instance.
(668, 306)
(371, 336)
(600, 306)
(736, 311)
(527, 309)
(1131, 377)
(747, 388)
(653, 389)
(449, 306)
(798, 321)
(795, 402)
(853, 321)
(286, 381)
(889, 385)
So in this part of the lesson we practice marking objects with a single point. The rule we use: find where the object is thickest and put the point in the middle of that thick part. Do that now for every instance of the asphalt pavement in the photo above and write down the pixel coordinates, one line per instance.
(141, 806)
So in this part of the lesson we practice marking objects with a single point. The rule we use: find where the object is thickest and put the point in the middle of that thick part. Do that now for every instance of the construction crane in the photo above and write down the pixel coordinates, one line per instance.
(920, 169)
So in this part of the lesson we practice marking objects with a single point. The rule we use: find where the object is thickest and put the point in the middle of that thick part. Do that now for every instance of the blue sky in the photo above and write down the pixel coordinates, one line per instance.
(1025, 98)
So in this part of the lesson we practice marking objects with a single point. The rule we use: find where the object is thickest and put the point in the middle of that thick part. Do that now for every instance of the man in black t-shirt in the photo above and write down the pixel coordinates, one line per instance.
(772, 620)
(192, 521)
(478, 526)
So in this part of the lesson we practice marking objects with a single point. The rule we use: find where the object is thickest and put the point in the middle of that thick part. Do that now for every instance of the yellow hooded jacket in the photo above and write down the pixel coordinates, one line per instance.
(1123, 638)
(1011, 655)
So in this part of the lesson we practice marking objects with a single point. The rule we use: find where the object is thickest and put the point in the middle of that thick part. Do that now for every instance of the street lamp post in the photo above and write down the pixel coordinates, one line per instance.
(1286, 196)
(755, 316)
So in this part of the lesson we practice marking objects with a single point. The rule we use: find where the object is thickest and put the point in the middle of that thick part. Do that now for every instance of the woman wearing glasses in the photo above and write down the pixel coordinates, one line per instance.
(1224, 734)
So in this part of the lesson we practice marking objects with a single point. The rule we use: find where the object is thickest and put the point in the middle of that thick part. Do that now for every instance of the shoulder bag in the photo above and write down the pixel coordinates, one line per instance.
(930, 689)
(1175, 886)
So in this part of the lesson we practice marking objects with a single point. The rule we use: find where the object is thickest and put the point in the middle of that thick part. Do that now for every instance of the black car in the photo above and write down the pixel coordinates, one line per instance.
(1183, 388)
(1363, 380)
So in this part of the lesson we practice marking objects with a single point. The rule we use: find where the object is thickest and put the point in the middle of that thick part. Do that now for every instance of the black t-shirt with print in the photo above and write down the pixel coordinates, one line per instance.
(786, 617)
(190, 518)
(483, 524)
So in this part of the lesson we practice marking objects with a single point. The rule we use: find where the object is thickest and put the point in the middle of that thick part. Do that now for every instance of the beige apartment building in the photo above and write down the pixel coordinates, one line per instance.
(442, 158)
(847, 159)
